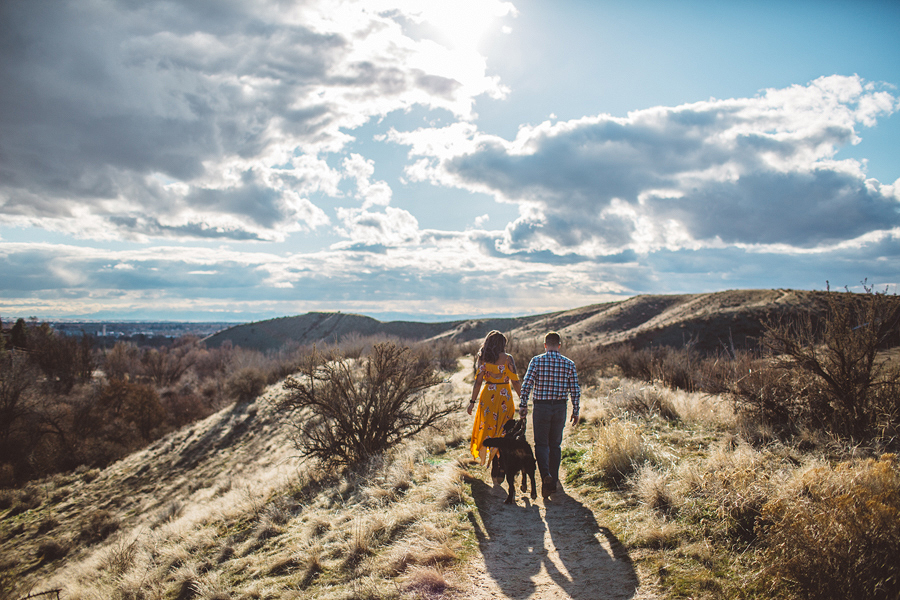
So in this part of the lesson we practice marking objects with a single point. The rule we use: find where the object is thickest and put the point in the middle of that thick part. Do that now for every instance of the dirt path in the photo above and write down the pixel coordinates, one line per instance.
(544, 549)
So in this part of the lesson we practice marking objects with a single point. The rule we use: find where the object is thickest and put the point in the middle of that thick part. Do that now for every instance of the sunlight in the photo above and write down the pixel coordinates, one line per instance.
(464, 23)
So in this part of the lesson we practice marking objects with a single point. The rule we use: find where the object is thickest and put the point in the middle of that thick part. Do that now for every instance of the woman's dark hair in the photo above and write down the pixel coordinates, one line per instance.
(494, 344)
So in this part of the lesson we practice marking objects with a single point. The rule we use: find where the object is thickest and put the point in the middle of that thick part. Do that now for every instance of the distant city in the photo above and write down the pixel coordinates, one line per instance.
(153, 333)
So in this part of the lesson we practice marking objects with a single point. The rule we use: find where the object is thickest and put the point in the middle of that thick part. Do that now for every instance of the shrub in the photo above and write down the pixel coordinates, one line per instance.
(98, 526)
(27, 499)
(634, 363)
(444, 352)
(123, 362)
(17, 377)
(246, 384)
(63, 359)
(136, 404)
(360, 409)
(838, 535)
(523, 351)
(52, 549)
(847, 388)
(589, 361)
(165, 366)
(676, 368)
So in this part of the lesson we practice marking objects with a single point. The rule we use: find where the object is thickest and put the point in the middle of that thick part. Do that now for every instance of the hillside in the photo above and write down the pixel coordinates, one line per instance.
(709, 320)
(316, 327)
(224, 510)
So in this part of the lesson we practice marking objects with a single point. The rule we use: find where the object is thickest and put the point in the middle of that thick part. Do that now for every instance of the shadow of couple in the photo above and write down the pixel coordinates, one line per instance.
(520, 542)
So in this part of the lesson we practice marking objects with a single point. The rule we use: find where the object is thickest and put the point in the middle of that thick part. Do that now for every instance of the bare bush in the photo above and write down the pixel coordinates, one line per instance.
(64, 360)
(16, 380)
(634, 363)
(99, 525)
(123, 361)
(589, 361)
(522, 351)
(841, 383)
(444, 353)
(246, 385)
(675, 368)
(165, 366)
(359, 410)
(133, 404)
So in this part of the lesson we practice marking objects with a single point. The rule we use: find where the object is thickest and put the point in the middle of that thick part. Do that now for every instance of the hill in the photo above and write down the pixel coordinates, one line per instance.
(708, 320)
(223, 509)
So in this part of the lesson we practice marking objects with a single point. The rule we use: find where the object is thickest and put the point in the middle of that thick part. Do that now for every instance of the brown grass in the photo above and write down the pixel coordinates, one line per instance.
(617, 451)
(835, 532)
(709, 515)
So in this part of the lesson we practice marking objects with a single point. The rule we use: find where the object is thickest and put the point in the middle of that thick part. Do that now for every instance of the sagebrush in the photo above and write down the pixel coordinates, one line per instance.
(359, 409)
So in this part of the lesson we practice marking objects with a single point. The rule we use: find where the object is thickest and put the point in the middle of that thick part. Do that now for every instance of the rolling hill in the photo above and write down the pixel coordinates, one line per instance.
(708, 320)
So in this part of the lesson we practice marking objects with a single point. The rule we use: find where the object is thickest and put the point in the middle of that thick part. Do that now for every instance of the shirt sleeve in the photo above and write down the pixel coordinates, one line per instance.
(527, 383)
(575, 391)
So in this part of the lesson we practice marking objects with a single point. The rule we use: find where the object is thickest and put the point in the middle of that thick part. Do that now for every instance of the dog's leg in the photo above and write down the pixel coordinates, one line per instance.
(511, 484)
(533, 485)
(497, 470)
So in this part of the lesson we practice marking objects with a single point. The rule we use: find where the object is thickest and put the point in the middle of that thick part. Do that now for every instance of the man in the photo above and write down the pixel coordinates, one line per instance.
(554, 380)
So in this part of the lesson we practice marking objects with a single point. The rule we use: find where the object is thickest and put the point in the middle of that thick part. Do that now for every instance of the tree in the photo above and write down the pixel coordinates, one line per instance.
(64, 360)
(165, 366)
(360, 409)
(16, 379)
(19, 335)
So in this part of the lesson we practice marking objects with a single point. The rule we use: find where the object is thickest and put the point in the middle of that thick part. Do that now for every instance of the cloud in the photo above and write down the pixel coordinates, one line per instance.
(746, 171)
(189, 119)
(443, 276)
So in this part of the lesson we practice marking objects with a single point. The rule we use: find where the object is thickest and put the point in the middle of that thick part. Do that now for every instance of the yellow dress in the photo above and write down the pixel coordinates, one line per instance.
(495, 406)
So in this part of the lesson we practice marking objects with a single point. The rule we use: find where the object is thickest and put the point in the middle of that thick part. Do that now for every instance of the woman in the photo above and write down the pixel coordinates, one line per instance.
(495, 369)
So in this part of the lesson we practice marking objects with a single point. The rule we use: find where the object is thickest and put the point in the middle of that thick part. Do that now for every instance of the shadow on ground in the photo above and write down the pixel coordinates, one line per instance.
(549, 548)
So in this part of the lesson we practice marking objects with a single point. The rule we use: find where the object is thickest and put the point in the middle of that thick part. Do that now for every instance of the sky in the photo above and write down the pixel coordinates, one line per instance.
(240, 160)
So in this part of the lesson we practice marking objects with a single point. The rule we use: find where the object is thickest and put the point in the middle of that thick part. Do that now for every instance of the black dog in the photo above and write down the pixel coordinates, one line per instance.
(515, 456)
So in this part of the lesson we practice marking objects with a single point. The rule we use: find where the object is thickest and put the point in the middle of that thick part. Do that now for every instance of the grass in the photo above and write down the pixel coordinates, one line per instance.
(706, 506)
(222, 509)
(708, 515)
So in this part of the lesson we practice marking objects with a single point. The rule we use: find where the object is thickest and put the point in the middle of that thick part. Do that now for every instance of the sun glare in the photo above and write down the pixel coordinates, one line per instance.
(464, 23)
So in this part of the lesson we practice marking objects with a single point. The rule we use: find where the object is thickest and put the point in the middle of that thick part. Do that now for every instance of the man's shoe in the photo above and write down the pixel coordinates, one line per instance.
(548, 486)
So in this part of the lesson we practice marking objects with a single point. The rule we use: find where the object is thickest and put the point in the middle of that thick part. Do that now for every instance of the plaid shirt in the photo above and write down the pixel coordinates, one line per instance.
(552, 376)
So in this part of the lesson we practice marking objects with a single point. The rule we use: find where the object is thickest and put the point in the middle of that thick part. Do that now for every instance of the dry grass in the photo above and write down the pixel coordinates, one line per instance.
(703, 512)
(709, 515)
(232, 514)
(834, 532)
(618, 449)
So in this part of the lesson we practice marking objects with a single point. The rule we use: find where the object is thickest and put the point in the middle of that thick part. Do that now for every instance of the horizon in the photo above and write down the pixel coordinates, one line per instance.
(436, 162)
(398, 317)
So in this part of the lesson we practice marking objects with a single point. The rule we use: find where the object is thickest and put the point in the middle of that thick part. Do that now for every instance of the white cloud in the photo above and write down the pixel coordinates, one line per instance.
(741, 171)
(185, 119)
(361, 170)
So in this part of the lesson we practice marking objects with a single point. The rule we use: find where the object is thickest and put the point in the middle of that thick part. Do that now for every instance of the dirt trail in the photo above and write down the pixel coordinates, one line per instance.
(545, 549)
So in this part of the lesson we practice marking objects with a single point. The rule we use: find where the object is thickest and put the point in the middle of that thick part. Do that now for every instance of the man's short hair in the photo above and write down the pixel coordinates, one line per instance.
(552, 339)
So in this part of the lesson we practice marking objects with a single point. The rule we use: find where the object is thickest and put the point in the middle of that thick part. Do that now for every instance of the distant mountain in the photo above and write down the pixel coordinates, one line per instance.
(708, 320)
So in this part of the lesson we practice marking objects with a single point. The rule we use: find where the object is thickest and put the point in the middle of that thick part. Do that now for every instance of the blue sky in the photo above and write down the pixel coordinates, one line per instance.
(243, 160)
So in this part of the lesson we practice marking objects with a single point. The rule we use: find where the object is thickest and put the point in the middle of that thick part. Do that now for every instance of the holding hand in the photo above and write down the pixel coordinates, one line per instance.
(575, 419)
(471, 407)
